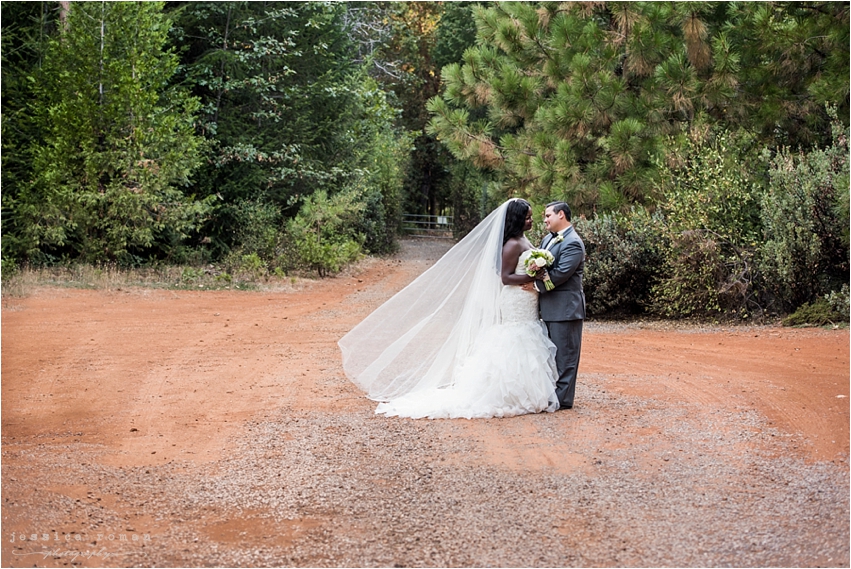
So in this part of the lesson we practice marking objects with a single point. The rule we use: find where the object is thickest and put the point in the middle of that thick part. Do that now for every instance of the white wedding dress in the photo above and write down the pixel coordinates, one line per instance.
(456, 342)
(510, 370)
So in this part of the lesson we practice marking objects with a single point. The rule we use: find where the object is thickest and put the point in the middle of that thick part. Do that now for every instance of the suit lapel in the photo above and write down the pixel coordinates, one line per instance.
(554, 245)
(545, 243)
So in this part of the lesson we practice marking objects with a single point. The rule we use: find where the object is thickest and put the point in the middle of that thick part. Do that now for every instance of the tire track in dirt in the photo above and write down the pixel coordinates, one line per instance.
(792, 376)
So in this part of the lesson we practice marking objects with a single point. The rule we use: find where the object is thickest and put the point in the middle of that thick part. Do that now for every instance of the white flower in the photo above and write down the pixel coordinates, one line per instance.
(538, 259)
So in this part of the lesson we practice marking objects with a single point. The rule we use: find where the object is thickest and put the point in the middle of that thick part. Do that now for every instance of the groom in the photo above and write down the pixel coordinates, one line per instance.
(563, 307)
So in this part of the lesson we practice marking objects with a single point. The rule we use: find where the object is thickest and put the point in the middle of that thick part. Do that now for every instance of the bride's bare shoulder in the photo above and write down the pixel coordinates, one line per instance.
(514, 245)
(517, 245)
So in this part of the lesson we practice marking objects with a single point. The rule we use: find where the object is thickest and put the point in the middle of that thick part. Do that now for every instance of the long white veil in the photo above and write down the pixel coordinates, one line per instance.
(421, 335)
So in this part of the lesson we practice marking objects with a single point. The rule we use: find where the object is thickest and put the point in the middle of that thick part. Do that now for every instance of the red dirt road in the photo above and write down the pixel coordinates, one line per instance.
(155, 376)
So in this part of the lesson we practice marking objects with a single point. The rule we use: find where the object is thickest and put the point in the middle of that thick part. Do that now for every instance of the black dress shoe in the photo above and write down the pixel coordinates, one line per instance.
(560, 407)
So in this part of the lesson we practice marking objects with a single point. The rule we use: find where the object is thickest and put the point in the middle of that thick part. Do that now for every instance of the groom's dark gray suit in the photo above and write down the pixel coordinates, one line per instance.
(563, 308)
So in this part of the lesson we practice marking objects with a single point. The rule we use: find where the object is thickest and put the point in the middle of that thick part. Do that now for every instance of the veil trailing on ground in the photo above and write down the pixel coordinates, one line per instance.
(420, 336)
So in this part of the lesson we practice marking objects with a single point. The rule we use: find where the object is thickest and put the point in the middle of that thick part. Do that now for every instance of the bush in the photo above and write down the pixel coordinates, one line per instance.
(253, 264)
(819, 313)
(323, 234)
(8, 267)
(382, 157)
(840, 303)
(710, 204)
(374, 225)
(624, 260)
(805, 251)
(257, 227)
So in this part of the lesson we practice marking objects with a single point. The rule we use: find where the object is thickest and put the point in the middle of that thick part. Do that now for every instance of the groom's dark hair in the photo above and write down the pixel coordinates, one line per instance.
(560, 206)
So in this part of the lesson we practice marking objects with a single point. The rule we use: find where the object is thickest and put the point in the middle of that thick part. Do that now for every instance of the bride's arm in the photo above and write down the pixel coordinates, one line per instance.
(510, 254)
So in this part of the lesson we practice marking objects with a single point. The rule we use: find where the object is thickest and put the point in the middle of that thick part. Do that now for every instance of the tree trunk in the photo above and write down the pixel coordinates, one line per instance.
(64, 7)
(222, 86)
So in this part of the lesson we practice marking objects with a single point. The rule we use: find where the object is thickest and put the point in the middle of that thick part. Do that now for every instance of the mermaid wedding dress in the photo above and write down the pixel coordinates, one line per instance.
(511, 370)
(456, 342)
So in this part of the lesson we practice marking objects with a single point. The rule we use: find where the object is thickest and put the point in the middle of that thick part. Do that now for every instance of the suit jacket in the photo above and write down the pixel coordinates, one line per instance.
(567, 300)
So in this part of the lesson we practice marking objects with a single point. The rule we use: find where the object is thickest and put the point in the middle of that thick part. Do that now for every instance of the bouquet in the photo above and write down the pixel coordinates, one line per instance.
(539, 259)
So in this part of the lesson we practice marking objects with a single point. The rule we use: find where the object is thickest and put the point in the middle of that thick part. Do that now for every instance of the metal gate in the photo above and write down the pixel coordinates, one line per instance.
(434, 226)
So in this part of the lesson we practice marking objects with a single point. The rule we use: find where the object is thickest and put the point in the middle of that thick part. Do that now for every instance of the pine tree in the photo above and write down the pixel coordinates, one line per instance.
(582, 101)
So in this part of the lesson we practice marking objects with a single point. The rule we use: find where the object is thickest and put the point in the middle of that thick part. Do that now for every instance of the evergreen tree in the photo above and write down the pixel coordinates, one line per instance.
(404, 45)
(582, 99)
(286, 108)
(793, 62)
(271, 81)
(26, 27)
(118, 143)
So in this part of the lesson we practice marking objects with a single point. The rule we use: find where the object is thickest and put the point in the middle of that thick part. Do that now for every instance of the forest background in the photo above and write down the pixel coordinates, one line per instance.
(703, 146)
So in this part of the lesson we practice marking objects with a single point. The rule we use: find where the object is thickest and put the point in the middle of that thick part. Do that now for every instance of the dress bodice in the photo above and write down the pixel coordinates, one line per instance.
(520, 269)
(516, 304)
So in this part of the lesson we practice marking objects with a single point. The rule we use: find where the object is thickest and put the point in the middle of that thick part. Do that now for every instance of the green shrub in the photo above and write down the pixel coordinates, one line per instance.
(711, 209)
(693, 271)
(191, 274)
(253, 264)
(8, 266)
(805, 250)
(323, 234)
(257, 227)
(819, 313)
(624, 260)
(840, 303)
(378, 231)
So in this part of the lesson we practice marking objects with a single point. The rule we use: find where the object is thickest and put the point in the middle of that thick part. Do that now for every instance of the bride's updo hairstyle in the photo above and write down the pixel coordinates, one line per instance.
(515, 219)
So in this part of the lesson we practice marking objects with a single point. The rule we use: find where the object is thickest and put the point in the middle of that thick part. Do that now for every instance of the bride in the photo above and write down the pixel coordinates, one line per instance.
(464, 339)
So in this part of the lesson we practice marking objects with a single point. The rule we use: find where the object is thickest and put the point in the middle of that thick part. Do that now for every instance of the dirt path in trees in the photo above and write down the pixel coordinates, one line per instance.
(122, 410)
